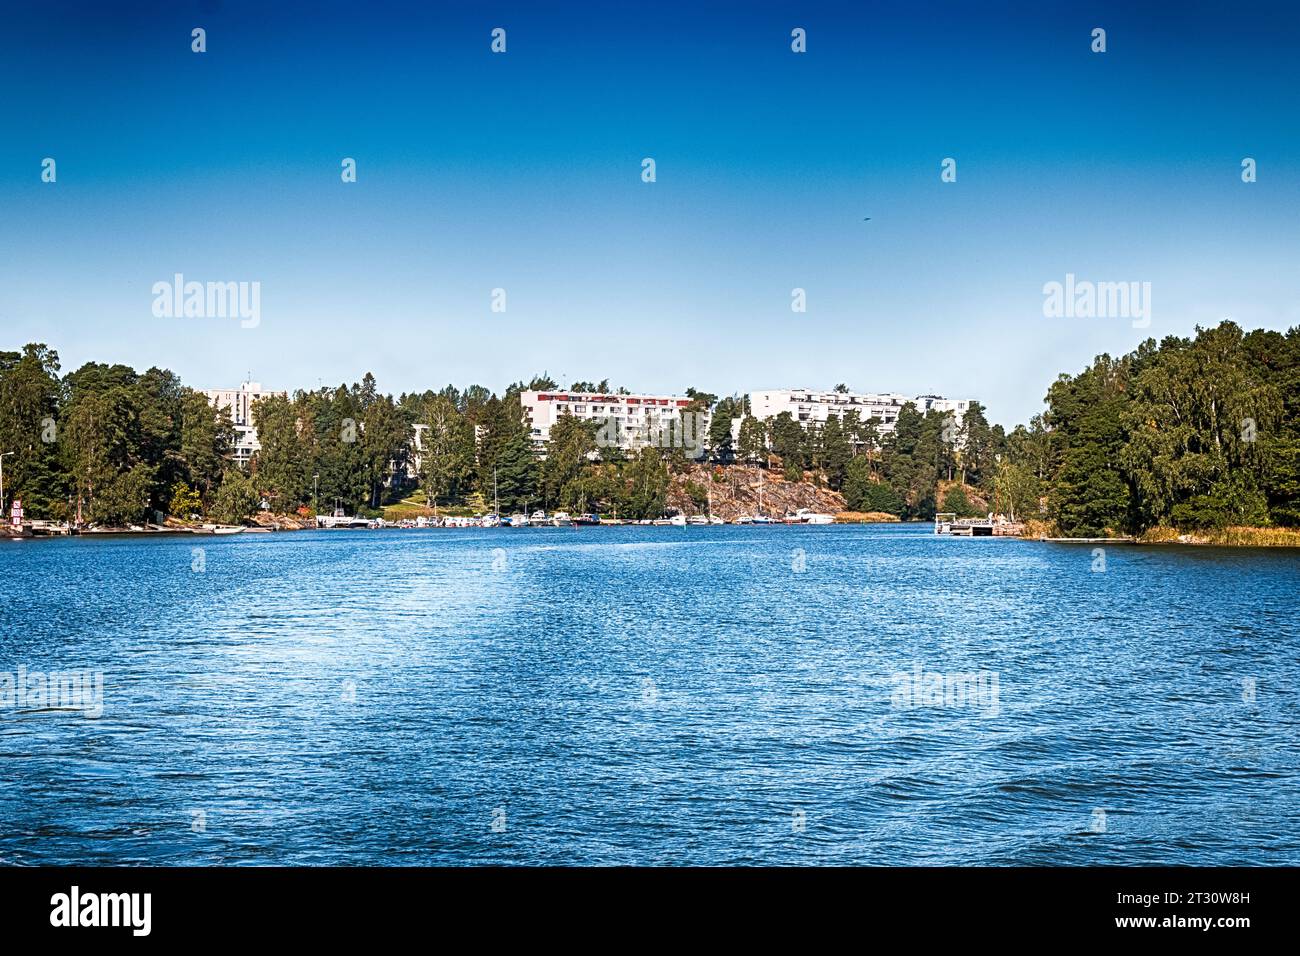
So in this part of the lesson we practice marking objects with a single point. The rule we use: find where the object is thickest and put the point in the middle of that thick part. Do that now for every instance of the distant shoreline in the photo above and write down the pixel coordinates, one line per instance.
(1237, 537)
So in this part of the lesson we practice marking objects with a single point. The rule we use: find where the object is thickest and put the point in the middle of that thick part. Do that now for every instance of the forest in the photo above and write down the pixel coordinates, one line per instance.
(1185, 433)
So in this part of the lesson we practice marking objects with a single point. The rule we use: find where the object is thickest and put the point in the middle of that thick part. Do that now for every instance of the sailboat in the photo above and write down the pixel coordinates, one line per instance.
(709, 517)
(761, 518)
(494, 519)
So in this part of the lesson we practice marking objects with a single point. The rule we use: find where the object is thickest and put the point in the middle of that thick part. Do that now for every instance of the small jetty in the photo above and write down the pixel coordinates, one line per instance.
(37, 529)
(947, 522)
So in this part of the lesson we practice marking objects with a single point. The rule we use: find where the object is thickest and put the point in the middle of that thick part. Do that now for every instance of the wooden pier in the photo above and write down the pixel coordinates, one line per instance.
(994, 526)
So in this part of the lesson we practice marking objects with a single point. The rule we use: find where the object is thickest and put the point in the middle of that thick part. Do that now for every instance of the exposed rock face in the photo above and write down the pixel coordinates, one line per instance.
(283, 522)
(979, 501)
(735, 491)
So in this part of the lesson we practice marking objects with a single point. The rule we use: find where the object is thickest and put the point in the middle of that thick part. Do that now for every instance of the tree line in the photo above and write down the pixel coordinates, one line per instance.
(1188, 432)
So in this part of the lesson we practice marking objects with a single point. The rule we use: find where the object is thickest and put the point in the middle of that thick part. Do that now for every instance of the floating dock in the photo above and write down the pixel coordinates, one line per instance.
(946, 522)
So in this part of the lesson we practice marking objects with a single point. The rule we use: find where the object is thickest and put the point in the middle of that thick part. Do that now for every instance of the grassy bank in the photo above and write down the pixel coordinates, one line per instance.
(1236, 537)
(414, 507)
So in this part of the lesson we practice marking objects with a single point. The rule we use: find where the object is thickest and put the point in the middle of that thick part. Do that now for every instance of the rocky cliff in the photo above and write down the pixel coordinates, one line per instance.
(735, 491)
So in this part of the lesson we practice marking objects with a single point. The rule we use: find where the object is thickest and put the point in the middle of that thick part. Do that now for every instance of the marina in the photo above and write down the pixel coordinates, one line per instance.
(343, 522)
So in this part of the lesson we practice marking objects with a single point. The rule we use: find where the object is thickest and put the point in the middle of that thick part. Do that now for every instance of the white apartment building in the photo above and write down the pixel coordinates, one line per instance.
(416, 457)
(812, 409)
(240, 403)
(633, 420)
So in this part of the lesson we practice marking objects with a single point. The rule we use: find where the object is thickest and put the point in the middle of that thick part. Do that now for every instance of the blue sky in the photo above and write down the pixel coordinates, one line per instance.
(522, 171)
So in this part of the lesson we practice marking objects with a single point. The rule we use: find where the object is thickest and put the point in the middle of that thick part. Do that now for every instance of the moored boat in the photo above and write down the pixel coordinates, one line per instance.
(339, 519)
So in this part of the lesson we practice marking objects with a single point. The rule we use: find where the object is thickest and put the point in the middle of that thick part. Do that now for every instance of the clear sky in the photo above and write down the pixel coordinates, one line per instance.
(522, 171)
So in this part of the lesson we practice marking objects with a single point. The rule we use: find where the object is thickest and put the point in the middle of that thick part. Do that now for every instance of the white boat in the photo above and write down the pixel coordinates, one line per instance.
(538, 519)
(697, 519)
(661, 522)
(491, 521)
(678, 521)
(763, 519)
(340, 520)
(714, 519)
(561, 519)
(814, 517)
(744, 519)
(519, 521)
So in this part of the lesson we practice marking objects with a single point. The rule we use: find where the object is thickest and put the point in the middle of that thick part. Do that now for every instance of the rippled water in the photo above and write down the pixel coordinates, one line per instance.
(651, 695)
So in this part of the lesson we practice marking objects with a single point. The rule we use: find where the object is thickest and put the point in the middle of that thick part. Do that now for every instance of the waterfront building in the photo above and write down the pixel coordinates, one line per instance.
(240, 402)
(811, 408)
(415, 456)
(627, 421)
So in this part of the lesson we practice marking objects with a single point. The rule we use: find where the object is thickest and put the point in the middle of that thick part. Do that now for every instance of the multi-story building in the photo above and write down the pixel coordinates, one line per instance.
(937, 403)
(240, 402)
(811, 408)
(627, 421)
(415, 456)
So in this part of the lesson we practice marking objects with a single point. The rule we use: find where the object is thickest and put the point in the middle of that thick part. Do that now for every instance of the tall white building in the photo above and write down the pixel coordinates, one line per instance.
(240, 403)
(631, 421)
(812, 409)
